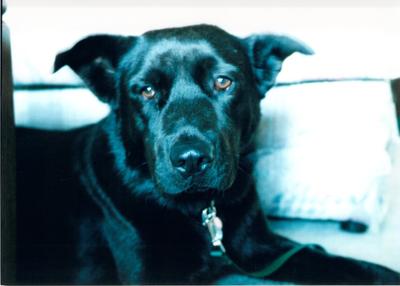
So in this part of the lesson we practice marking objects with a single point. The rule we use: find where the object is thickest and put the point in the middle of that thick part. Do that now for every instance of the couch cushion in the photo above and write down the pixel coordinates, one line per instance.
(323, 151)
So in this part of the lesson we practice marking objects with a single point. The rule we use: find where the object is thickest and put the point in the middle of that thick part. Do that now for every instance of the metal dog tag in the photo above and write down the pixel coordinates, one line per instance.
(214, 225)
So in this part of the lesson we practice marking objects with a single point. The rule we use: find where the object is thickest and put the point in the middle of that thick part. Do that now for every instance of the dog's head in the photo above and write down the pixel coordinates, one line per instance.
(189, 97)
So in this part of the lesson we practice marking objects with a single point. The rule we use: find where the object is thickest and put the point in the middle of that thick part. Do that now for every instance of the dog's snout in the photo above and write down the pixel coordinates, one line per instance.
(191, 159)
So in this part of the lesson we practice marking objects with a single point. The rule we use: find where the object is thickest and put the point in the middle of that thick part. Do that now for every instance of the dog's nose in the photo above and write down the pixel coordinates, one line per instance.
(189, 160)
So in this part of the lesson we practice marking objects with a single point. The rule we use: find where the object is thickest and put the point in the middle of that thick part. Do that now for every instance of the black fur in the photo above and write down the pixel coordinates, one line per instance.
(104, 204)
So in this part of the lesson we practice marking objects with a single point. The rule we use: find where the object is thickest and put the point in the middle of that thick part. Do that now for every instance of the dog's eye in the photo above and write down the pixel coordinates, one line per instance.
(148, 92)
(222, 83)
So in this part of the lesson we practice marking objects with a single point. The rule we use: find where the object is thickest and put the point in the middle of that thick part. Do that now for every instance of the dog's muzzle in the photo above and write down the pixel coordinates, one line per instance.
(191, 157)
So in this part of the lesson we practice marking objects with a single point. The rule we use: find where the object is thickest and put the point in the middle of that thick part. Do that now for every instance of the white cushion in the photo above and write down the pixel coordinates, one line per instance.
(58, 109)
(323, 151)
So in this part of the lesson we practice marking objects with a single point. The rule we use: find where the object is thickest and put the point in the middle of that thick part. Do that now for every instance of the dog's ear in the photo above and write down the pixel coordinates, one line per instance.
(95, 60)
(267, 53)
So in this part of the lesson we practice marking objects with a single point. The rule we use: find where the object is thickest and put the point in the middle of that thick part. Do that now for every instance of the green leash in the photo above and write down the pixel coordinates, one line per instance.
(214, 226)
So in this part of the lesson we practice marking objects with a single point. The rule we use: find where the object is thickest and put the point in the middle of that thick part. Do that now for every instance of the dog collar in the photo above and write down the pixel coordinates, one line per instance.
(215, 229)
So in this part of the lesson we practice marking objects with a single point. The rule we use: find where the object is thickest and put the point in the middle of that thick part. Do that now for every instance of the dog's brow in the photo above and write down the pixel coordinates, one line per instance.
(227, 68)
(180, 48)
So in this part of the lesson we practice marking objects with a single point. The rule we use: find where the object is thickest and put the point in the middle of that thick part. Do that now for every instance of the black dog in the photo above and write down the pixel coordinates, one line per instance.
(121, 201)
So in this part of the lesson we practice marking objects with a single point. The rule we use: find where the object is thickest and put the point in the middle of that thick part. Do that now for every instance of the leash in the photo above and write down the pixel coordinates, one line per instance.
(214, 226)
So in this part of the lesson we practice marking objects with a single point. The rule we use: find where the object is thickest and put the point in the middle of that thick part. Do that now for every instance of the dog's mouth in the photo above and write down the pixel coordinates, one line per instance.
(200, 193)
(197, 189)
(211, 183)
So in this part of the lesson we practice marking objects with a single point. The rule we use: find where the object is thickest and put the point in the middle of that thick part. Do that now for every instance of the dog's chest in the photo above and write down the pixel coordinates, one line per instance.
(157, 246)
(176, 248)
